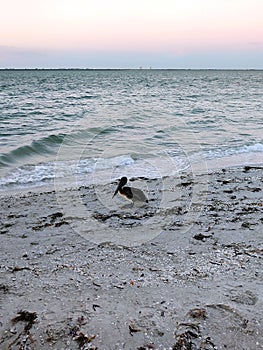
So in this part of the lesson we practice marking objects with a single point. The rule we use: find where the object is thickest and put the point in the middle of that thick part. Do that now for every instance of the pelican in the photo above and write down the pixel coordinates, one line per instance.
(130, 193)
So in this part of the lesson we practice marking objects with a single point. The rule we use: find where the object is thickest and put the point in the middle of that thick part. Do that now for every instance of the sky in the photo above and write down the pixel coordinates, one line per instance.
(131, 34)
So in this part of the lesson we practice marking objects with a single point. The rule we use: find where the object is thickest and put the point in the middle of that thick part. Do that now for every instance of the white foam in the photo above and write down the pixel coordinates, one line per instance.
(42, 173)
(104, 170)
(224, 152)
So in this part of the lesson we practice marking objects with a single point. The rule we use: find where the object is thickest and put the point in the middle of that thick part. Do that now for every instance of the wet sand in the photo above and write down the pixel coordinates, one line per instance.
(78, 271)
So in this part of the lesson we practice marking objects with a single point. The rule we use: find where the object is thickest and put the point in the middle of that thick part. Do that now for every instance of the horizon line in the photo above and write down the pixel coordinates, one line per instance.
(139, 69)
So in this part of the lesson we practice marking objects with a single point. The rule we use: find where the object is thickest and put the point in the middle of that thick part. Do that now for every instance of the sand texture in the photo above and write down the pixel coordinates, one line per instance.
(79, 270)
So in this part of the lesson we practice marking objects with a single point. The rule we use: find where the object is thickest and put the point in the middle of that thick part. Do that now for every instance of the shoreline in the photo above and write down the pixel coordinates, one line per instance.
(194, 278)
(211, 166)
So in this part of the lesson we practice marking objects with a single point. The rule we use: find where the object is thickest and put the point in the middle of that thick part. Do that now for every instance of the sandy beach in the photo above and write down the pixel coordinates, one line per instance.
(79, 271)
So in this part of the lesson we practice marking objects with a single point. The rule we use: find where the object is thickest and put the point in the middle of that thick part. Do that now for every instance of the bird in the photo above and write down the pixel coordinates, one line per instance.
(130, 193)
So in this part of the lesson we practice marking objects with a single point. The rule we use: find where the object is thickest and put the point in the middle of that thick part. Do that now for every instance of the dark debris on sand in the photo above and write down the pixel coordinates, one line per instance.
(198, 289)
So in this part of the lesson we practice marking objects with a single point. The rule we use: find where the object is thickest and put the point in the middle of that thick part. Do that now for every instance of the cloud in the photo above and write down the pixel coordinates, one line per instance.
(14, 57)
(256, 43)
(11, 50)
(6, 51)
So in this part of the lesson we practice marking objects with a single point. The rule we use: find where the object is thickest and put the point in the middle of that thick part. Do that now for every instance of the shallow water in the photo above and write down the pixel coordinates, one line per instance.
(94, 126)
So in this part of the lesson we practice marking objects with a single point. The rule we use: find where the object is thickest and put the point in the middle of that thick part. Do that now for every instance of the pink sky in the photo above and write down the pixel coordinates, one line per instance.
(176, 27)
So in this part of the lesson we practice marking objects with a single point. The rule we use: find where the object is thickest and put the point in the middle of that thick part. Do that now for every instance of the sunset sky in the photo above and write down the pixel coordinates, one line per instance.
(130, 34)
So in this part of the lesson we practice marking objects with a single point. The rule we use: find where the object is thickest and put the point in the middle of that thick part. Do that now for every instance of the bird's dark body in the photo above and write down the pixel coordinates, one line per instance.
(126, 191)
(130, 193)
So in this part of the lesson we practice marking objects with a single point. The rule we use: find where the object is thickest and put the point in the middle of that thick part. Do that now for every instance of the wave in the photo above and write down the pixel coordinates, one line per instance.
(43, 173)
(47, 146)
(81, 97)
(225, 152)
(91, 170)
(42, 146)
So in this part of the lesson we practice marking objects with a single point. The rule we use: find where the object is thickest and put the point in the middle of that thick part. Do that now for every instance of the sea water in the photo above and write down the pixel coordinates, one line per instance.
(93, 126)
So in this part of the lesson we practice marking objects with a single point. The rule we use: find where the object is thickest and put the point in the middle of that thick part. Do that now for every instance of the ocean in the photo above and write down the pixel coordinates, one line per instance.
(81, 127)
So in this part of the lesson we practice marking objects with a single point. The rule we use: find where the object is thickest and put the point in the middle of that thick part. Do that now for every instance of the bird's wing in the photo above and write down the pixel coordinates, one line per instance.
(138, 195)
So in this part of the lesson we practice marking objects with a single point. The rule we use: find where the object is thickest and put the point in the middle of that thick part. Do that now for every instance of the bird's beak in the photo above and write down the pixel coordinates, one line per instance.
(115, 193)
(117, 189)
